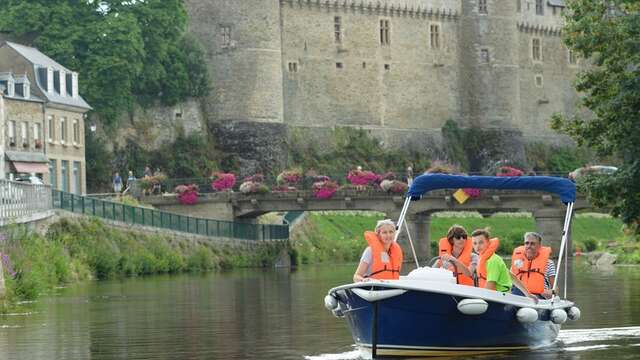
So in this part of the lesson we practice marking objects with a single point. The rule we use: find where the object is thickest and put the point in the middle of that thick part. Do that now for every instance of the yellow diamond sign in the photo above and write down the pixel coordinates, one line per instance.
(461, 196)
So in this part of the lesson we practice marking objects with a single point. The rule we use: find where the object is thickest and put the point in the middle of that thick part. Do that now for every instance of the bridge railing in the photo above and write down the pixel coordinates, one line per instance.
(161, 219)
(20, 200)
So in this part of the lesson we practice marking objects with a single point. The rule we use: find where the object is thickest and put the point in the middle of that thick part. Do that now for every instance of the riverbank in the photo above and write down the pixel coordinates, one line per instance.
(75, 250)
(332, 236)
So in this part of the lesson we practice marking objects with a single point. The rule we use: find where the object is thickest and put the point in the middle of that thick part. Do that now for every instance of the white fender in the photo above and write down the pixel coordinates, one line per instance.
(377, 295)
(558, 316)
(527, 315)
(330, 302)
(573, 313)
(472, 306)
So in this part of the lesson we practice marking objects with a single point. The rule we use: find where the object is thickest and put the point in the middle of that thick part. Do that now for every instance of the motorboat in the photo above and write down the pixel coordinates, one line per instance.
(426, 313)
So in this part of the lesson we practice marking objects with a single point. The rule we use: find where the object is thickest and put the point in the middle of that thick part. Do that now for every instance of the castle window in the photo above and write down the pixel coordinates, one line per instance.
(482, 7)
(484, 55)
(435, 36)
(536, 49)
(384, 32)
(225, 32)
(539, 82)
(518, 5)
(338, 65)
(293, 67)
(364, 65)
(539, 7)
(387, 66)
(337, 27)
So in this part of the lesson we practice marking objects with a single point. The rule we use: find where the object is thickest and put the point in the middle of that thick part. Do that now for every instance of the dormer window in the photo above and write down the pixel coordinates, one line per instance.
(56, 81)
(63, 83)
(50, 81)
(23, 86)
(7, 83)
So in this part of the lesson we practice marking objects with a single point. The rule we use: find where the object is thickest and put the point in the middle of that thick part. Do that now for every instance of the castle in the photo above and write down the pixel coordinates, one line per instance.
(399, 68)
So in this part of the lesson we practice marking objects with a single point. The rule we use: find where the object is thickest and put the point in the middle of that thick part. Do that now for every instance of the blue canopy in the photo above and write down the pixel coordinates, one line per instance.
(565, 188)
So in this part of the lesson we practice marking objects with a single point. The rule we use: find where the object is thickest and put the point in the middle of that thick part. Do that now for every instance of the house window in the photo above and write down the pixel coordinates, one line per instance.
(536, 49)
(337, 28)
(36, 136)
(52, 128)
(435, 36)
(225, 31)
(484, 55)
(76, 132)
(482, 7)
(12, 133)
(539, 82)
(63, 130)
(64, 175)
(572, 58)
(539, 7)
(24, 133)
(76, 178)
(518, 5)
(293, 67)
(384, 32)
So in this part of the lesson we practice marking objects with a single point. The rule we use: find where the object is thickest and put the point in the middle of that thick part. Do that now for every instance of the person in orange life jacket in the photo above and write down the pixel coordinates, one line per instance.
(456, 255)
(531, 264)
(492, 271)
(382, 259)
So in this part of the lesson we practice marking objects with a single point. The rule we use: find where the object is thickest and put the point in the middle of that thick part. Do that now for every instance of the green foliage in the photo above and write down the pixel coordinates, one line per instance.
(454, 138)
(186, 157)
(99, 161)
(125, 51)
(607, 33)
(559, 159)
(75, 250)
(353, 147)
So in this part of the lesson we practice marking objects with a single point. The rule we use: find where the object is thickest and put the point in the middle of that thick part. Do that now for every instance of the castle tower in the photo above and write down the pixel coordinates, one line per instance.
(242, 41)
(489, 63)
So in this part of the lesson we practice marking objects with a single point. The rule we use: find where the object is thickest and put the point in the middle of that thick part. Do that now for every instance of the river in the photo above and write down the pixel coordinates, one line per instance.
(271, 314)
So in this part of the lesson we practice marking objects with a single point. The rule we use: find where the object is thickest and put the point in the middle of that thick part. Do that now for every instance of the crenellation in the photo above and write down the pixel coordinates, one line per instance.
(385, 8)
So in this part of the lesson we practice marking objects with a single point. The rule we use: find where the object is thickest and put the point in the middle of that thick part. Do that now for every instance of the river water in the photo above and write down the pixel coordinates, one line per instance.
(271, 314)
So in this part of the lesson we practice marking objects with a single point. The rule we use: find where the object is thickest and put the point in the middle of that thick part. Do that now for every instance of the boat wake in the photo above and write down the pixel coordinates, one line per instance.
(578, 340)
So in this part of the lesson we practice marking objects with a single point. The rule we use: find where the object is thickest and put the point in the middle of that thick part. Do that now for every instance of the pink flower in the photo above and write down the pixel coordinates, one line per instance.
(324, 189)
(363, 177)
(223, 181)
(473, 193)
(509, 171)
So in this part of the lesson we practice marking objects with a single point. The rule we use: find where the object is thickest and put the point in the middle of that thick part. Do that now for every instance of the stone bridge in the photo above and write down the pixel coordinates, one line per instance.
(547, 209)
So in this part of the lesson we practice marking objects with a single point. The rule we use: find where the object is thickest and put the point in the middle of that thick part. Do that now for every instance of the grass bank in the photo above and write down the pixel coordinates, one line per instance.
(327, 237)
(75, 250)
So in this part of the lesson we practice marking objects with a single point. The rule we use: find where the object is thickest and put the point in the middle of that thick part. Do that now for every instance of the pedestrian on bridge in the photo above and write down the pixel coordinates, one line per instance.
(117, 183)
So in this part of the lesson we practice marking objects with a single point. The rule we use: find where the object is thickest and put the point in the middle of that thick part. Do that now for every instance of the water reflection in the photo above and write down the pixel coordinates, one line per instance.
(269, 314)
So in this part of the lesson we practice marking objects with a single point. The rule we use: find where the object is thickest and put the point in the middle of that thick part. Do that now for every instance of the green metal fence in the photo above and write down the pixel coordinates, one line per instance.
(150, 217)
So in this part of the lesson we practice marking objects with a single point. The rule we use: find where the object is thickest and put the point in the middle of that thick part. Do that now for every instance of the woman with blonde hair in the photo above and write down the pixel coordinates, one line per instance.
(382, 259)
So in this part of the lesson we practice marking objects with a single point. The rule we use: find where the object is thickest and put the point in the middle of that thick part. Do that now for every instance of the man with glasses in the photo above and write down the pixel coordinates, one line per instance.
(531, 264)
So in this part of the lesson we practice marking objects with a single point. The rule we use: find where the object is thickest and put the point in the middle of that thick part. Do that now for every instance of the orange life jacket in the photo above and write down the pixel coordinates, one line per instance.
(380, 269)
(481, 270)
(464, 257)
(530, 272)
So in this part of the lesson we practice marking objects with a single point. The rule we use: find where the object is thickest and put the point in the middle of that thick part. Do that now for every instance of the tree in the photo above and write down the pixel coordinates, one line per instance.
(127, 52)
(607, 33)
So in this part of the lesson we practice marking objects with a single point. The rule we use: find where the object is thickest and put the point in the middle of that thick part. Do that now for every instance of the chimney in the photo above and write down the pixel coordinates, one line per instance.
(50, 85)
(74, 85)
(63, 83)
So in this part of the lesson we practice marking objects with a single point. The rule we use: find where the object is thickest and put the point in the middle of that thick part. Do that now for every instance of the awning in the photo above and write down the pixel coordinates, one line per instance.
(26, 156)
(25, 167)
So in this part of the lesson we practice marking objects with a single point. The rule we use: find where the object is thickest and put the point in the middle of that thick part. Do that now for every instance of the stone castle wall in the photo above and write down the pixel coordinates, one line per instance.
(278, 61)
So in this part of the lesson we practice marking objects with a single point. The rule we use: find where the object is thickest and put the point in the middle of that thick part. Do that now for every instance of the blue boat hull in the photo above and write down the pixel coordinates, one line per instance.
(419, 323)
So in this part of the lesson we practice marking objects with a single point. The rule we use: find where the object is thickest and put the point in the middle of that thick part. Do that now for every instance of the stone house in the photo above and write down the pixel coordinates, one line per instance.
(42, 100)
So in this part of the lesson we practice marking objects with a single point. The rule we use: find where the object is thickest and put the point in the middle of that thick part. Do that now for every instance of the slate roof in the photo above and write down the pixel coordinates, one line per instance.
(40, 60)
